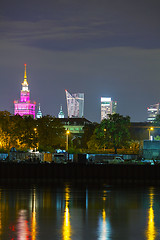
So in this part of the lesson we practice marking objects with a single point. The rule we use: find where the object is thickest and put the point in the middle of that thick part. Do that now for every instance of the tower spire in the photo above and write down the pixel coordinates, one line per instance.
(25, 83)
(25, 75)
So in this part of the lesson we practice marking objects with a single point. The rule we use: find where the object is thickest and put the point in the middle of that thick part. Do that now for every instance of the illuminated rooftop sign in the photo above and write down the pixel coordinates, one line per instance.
(104, 99)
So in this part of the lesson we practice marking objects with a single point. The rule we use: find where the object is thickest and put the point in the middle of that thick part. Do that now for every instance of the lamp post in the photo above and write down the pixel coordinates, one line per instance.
(67, 133)
(104, 138)
(150, 129)
(35, 131)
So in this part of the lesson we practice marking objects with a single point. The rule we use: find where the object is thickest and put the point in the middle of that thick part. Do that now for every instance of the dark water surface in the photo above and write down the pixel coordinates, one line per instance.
(79, 212)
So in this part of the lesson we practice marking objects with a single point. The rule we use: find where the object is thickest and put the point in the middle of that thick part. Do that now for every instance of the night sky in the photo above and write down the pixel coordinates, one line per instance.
(97, 47)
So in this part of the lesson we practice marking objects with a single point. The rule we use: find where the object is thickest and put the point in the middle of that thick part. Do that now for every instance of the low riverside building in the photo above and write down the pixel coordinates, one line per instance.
(151, 149)
(75, 125)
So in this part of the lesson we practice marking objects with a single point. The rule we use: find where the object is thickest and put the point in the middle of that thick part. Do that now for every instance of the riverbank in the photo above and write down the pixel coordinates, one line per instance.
(130, 173)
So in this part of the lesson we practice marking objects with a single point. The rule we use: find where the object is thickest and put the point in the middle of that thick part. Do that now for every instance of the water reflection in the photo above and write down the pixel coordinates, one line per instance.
(104, 226)
(34, 221)
(22, 226)
(151, 230)
(0, 213)
(79, 212)
(66, 222)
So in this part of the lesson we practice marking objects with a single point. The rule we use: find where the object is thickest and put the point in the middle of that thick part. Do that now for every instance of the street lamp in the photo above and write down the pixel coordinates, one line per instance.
(35, 131)
(150, 129)
(67, 133)
(104, 138)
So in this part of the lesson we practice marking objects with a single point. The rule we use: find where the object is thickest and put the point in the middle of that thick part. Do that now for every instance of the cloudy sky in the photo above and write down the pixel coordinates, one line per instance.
(97, 47)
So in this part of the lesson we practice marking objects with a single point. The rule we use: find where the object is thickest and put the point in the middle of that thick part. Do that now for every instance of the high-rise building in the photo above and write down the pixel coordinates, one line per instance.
(39, 113)
(107, 107)
(24, 106)
(61, 114)
(75, 104)
(152, 110)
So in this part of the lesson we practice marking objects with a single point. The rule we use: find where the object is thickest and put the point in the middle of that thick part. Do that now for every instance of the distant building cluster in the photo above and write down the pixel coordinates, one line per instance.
(75, 104)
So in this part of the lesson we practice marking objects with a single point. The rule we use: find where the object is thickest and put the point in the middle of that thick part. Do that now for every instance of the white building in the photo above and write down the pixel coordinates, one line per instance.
(75, 105)
(107, 107)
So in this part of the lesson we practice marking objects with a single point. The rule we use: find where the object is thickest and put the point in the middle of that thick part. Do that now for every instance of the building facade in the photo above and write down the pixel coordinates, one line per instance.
(24, 106)
(153, 111)
(107, 107)
(75, 104)
(75, 125)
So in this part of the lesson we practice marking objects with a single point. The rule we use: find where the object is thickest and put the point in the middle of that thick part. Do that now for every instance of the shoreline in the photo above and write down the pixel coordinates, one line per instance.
(114, 173)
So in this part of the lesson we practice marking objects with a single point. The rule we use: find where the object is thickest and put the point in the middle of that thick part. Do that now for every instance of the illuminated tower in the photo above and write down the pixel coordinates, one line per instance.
(39, 113)
(24, 107)
(75, 104)
(61, 114)
(107, 107)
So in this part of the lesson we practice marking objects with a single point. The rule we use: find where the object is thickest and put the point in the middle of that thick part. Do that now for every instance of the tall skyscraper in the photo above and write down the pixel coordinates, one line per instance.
(152, 110)
(75, 104)
(25, 107)
(107, 107)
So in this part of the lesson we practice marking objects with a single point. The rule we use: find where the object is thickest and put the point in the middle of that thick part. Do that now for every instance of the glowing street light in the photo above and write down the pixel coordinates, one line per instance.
(104, 138)
(67, 133)
(150, 129)
(36, 133)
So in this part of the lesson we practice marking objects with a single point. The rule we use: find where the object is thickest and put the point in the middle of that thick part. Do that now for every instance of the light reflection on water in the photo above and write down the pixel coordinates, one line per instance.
(104, 227)
(0, 224)
(22, 226)
(79, 212)
(151, 231)
(33, 219)
(66, 223)
(104, 230)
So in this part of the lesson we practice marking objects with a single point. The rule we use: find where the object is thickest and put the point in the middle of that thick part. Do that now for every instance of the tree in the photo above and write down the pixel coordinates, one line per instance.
(51, 133)
(88, 132)
(114, 131)
(156, 122)
(27, 132)
(8, 134)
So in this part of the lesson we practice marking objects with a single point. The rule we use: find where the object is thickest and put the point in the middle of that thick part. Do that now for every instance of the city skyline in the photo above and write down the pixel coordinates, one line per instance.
(100, 48)
(75, 105)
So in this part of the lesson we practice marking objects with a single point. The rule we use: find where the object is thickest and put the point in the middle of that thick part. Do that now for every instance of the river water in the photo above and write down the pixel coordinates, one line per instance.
(79, 211)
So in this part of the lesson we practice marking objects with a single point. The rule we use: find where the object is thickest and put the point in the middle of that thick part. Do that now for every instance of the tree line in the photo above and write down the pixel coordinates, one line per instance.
(47, 134)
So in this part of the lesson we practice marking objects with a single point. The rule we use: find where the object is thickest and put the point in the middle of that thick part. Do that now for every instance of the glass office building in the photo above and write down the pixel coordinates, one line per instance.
(75, 104)
(107, 107)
